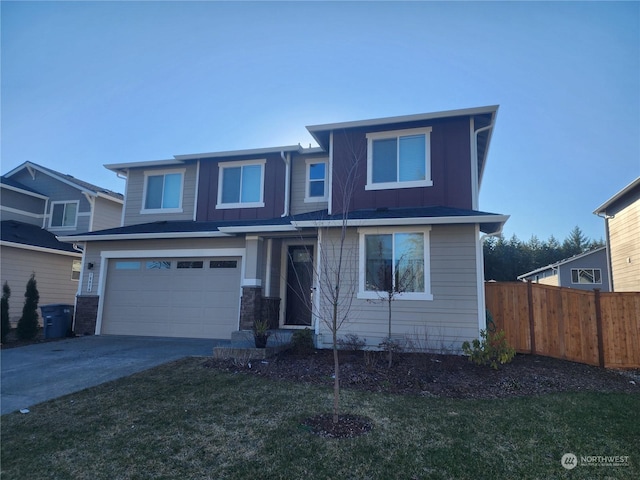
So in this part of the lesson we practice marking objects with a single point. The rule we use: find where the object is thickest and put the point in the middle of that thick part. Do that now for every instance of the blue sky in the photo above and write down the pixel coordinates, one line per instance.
(89, 83)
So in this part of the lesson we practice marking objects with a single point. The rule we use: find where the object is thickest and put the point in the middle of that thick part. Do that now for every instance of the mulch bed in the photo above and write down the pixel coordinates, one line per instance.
(449, 376)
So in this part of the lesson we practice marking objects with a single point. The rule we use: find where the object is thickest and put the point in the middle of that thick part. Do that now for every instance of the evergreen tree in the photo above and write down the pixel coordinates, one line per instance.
(28, 323)
(575, 243)
(4, 312)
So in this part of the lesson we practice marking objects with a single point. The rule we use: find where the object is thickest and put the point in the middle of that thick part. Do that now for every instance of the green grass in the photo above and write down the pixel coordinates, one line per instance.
(183, 421)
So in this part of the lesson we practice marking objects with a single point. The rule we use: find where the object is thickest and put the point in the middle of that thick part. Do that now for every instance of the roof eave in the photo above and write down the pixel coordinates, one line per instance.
(140, 236)
(602, 208)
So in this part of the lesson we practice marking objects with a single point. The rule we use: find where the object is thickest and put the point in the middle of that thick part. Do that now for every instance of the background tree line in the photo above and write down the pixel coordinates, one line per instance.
(505, 259)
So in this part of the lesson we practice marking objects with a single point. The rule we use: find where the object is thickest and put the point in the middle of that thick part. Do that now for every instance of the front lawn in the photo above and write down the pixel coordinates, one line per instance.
(184, 421)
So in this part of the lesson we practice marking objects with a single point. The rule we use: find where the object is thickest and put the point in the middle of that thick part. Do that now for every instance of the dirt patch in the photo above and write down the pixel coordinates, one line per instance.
(450, 376)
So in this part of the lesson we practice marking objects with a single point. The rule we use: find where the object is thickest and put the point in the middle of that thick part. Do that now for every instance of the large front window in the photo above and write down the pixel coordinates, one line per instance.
(394, 262)
(241, 185)
(64, 214)
(163, 191)
(399, 159)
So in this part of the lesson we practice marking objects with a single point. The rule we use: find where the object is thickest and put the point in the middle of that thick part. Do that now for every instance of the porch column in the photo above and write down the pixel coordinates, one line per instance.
(251, 302)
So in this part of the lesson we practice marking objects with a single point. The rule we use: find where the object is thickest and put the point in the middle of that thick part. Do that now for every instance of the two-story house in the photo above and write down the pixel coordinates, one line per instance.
(38, 203)
(209, 240)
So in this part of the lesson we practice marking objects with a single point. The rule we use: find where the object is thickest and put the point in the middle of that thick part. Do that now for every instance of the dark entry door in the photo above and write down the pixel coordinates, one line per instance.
(299, 284)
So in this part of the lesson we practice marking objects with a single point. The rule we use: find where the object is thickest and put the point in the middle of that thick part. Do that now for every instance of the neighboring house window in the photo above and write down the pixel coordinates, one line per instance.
(241, 184)
(316, 181)
(395, 260)
(64, 214)
(399, 159)
(75, 269)
(586, 275)
(163, 191)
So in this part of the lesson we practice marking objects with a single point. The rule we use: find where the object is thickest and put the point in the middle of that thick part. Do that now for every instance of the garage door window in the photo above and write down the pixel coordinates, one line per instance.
(196, 264)
(127, 265)
(158, 265)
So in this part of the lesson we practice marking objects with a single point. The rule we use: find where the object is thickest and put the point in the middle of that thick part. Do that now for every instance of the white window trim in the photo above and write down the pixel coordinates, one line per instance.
(155, 173)
(585, 268)
(307, 181)
(427, 182)
(373, 295)
(222, 166)
(65, 227)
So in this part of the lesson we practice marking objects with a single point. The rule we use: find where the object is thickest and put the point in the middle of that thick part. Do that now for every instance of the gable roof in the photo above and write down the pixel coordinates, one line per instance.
(561, 262)
(25, 234)
(602, 209)
(70, 180)
(19, 187)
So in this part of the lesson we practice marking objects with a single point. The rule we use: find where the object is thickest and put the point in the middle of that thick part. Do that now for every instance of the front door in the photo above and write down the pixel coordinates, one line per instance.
(299, 285)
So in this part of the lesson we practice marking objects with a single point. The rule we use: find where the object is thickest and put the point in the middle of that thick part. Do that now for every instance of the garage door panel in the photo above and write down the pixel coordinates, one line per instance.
(186, 302)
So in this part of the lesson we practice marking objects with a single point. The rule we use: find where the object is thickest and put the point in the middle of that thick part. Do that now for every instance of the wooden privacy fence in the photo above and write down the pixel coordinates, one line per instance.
(593, 327)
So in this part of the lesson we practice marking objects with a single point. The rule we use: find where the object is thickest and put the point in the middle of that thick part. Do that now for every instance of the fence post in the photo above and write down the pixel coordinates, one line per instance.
(532, 330)
(599, 327)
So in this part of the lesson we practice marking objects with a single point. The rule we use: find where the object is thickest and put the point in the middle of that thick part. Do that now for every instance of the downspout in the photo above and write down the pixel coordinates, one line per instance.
(45, 216)
(287, 179)
(92, 205)
(474, 167)
(125, 177)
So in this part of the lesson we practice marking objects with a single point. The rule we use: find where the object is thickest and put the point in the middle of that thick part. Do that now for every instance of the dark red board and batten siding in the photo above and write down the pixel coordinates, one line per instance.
(450, 168)
(274, 192)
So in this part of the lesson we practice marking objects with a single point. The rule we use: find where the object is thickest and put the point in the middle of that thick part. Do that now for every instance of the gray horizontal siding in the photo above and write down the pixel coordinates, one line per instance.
(135, 192)
(441, 324)
(107, 214)
(298, 186)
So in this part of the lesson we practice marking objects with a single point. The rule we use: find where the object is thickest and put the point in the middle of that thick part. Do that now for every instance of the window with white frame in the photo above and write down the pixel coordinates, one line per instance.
(395, 260)
(399, 159)
(241, 184)
(586, 275)
(316, 181)
(64, 214)
(76, 266)
(163, 191)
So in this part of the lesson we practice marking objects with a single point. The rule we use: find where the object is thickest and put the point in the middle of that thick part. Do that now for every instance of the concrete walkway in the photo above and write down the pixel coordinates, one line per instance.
(41, 372)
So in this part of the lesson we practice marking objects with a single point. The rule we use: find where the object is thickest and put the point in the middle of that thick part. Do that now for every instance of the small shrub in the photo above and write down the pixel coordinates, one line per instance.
(4, 312)
(352, 342)
(28, 323)
(390, 346)
(491, 349)
(302, 342)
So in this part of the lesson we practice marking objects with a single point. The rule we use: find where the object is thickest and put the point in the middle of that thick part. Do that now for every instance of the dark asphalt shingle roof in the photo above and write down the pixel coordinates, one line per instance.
(191, 226)
(27, 234)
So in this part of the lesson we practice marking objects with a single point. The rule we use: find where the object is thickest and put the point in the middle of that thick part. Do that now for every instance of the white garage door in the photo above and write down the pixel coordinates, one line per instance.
(172, 297)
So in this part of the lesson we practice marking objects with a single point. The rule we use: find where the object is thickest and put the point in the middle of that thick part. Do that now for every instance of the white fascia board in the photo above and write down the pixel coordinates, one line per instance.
(118, 167)
(259, 229)
(617, 196)
(142, 236)
(380, 222)
(240, 153)
(39, 249)
(25, 192)
(109, 197)
(403, 118)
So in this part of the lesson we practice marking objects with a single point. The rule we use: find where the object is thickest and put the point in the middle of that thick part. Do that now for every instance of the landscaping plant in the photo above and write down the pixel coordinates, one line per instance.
(28, 323)
(4, 311)
(491, 349)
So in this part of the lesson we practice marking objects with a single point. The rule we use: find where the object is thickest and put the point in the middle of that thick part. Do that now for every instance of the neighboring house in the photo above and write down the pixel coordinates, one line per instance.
(210, 241)
(621, 215)
(585, 271)
(36, 204)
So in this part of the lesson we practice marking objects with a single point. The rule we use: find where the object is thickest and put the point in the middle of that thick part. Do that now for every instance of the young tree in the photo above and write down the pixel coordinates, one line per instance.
(28, 323)
(4, 311)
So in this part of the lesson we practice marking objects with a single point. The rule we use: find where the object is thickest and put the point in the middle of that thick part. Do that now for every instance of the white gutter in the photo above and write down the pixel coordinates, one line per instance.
(38, 249)
(287, 181)
(141, 236)
(374, 222)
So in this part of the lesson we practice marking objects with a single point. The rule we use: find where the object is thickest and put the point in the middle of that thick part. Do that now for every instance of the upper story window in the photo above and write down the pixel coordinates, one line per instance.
(241, 184)
(163, 191)
(64, 214)
(586, 275)
(395, 260)
(316, 189)
(399, 159)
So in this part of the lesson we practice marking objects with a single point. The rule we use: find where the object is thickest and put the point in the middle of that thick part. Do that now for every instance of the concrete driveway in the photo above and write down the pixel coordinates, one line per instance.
(40, 372)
